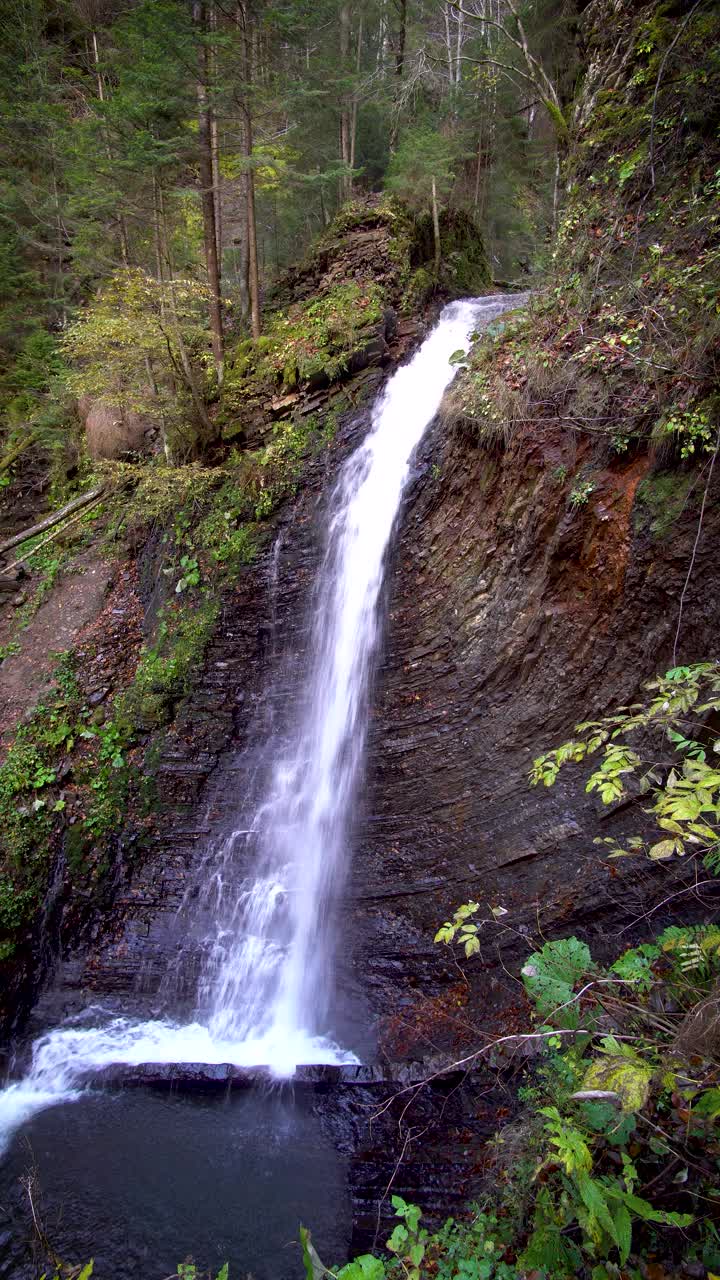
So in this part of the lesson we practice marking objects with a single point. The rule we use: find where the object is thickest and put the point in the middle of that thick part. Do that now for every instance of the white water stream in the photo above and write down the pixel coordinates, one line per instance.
(267, 980)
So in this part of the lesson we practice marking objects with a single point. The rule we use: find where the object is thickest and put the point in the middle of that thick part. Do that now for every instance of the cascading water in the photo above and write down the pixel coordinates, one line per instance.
(264, 992)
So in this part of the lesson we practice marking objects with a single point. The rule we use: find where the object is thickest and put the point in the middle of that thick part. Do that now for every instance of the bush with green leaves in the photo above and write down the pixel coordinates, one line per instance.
(619, 1132)
(663, 751)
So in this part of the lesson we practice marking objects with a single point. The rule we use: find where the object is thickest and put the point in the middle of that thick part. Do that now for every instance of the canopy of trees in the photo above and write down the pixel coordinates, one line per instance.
(164, 160)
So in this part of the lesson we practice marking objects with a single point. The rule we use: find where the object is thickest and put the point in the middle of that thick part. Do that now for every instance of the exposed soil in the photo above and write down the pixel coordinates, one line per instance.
(74, 602)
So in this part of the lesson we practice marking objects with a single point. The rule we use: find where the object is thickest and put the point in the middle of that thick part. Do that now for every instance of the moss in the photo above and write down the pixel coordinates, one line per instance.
(465, 269)
(420, 288)
(660, 500)
(307, 340)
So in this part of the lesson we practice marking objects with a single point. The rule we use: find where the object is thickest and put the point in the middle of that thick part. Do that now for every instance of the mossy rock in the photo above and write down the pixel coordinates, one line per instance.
(464, 268)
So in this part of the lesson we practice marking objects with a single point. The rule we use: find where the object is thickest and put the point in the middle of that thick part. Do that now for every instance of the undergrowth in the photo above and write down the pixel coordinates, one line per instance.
(611, 1165)
(621, 348)
(309, 341)
(74, 774)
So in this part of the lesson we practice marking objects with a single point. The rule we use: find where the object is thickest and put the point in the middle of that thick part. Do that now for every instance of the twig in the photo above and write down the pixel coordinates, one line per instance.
(691, 888)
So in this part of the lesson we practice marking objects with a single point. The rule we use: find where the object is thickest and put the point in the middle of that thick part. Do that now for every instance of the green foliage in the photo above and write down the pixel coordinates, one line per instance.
(129, 349)
(693, 430)
(580, 493)
(310, 340)
(459, 929)
(550, 976)
(189, 1271)
(424, 154)
(612, 1111)
(684, 800)
(33, 398)
(61, 733)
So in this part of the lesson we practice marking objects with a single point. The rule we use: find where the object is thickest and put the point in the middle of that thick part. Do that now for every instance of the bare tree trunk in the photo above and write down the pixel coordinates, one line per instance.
(448, 43)
(243, 267)
(478, 170)
(122, 226)
(345, 109)
(436, 229)
(458, 46)
(205, 167)
(401, 38)
(398, 42)
(215, 145)
(253, 276)
(556, 189)
(76, 505)
(60, 232)
(356, 99)
(169, 319)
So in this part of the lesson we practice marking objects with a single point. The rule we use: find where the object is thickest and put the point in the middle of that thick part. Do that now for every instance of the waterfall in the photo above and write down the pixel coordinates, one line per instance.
(263, 995)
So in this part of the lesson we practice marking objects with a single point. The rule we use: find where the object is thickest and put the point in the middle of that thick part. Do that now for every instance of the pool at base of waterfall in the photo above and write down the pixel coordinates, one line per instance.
(141, 1180)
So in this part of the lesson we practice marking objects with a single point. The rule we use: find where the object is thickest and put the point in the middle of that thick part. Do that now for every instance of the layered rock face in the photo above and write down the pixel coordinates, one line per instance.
(511, 618)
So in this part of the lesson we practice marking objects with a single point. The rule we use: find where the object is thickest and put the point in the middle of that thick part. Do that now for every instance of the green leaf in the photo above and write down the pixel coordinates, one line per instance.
(623, 1231)
(314, 1269)
(708, 1104)
(629, 1080)
(634, 966)
(398, 1238)
(592, 1196)
(87, 1270)
(223, 1272)
(366, 1267)
(549, 976)
(643, 1209)
(663, 849)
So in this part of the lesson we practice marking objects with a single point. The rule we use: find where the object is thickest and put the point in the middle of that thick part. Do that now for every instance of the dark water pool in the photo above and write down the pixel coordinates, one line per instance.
(140, 1179)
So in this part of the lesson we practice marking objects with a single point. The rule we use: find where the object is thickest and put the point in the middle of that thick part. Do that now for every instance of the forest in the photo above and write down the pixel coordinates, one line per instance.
(164, 164)
(359, 679)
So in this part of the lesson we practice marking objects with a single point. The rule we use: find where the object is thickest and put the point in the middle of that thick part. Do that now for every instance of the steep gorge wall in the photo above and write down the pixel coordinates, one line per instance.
(513, 617)
(561, 537)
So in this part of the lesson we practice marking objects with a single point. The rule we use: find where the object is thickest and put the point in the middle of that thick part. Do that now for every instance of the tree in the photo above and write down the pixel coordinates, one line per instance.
(207, 169)
(133, 348)
(422, 169)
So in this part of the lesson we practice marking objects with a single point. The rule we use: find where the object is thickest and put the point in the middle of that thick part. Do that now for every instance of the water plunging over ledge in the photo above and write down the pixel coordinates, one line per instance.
(264, 991)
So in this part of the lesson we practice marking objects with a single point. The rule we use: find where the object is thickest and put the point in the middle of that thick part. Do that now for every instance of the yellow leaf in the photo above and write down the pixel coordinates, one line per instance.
(630, 1080)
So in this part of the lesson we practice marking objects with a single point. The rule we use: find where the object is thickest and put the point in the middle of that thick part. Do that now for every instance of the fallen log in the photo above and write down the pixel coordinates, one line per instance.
(77, 504)
(55, 534)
